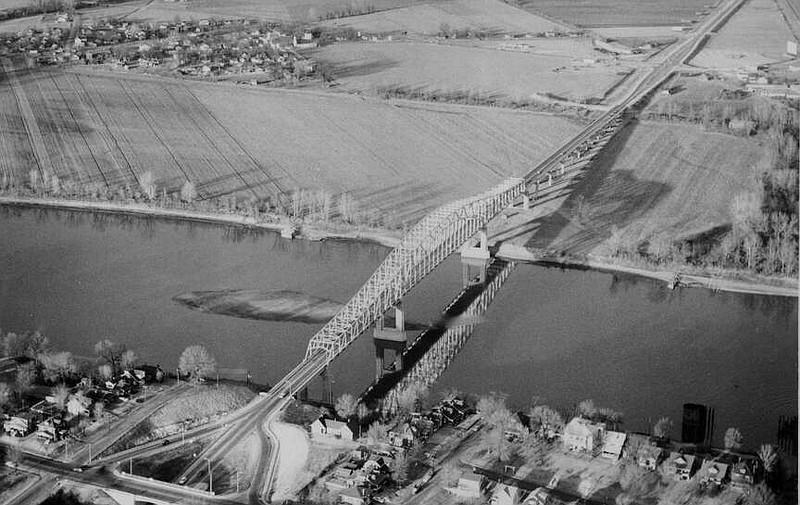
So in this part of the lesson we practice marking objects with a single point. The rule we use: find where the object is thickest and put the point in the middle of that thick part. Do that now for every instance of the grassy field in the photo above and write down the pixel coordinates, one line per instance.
(490, 16)
(487, 70)
(653, 178)
(617, 12)
(757, 34)
(402, 158)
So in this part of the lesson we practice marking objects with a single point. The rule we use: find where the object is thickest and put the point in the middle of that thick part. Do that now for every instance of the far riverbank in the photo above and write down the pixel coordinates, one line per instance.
(391, 238)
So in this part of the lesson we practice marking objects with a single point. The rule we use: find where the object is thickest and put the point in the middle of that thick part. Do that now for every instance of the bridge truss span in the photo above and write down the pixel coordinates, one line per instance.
(423, 248)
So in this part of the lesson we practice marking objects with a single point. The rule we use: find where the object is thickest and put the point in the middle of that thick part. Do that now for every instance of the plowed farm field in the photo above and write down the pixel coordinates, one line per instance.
(492, 16)
(401, 157)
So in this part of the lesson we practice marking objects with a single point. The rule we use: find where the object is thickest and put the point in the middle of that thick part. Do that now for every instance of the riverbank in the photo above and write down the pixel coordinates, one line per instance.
(314, 232)
(391, 238)
(687, 277)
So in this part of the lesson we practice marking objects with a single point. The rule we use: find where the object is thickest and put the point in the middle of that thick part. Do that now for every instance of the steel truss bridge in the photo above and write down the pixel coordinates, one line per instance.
(423, 248)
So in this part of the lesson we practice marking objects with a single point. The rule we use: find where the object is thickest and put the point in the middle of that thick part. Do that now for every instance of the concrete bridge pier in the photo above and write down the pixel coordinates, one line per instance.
(475, 259)
(389, 338)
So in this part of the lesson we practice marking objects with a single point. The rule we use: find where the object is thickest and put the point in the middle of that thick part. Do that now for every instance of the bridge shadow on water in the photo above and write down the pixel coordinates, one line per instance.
(437, 346)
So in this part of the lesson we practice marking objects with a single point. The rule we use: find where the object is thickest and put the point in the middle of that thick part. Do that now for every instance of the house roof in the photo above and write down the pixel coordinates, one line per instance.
(613, 442)
(679, 460)
(580, 427)
(471, 477)
(649, 451)
(508, 490)
(335, 425)
(714, 469)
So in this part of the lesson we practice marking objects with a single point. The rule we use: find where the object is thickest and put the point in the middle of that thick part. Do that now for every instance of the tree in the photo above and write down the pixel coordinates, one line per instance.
(409, 398)
(60, 395)
(346, 406)
(57, 366)
(377, 433)
(111, 352)
(128, 360)
(78, 404)
(35, 345)
(5, 395)
(148, 185)
(14, 345)
(543, 418)
(498, 419)
(105, 371)
(733, 439)
(663, 427)
(188, 192)
(98, 410)
(26, 376)
(399, 468)
(587, 409)
(768, 457)
(197, 361)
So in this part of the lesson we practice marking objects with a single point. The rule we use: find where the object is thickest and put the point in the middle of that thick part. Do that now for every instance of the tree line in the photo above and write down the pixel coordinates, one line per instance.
(307, 205)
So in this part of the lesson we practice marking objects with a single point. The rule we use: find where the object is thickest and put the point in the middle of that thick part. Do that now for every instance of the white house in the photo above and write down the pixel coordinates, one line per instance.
(582, 435)
(331, 429)
(613, 441)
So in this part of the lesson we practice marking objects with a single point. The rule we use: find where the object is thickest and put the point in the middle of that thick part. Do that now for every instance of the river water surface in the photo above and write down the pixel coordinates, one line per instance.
(563, 335)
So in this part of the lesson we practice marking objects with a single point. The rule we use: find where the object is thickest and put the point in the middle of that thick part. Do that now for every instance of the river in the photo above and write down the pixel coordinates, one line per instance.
(563, 335)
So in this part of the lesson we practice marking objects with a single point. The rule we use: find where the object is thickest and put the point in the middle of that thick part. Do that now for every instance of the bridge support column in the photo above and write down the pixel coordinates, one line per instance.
(475, 257)
(388, 338)
(526, 201)
(549, 180)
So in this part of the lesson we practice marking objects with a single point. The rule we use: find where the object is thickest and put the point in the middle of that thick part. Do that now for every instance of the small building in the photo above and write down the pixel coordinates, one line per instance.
(613, 441)
(582, 435)
(743, 474)
(352, 496)
(649, 456)
(791, 48)
(330, 428)
(681, 466)
(713, 473)
(470, 484)
(505, 494)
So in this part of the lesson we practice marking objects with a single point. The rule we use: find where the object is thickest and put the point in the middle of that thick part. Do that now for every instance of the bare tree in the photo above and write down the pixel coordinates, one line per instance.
(5, 395)
(346, 406)
(128, 359)
(26, 376)
(60, 395)
(498, 419)
(148, 185)
(733, 439)
(544, 418)
(377, 432)
(197, 361)
(587, 409)
(663, 427)
(768, 456)
(57, 365)
(105, 371)
(188, 192)
(111, 352)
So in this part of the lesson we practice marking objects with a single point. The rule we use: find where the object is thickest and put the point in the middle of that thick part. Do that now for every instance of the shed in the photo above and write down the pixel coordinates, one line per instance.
(471, 484)
(613, 441)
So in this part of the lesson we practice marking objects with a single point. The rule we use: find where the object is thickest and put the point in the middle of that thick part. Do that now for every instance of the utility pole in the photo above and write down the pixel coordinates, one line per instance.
(210, 477)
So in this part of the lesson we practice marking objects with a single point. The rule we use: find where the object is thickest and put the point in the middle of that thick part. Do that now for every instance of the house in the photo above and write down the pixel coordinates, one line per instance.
(613, 441)
(330, 428)
(743, 475)
(681, 466)
(649, 456)
(402, 437)
(505, 494)
(582, 435)
(352, 496)
(541, 496)
(470, 484)
(713, 473)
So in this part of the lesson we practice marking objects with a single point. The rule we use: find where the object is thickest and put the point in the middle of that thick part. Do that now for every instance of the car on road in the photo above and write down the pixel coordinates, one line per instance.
(78, 469)
(182, 480)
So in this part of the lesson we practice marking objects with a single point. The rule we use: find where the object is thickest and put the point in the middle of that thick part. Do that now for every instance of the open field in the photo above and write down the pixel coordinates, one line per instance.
(491, 16)
(403, 158)
(652, 179)
(283, 10)
(371, 67)
(617, 12)
(757, 34)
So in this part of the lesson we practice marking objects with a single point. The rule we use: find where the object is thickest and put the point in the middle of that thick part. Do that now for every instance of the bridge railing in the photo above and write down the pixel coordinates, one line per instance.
(424, 247)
